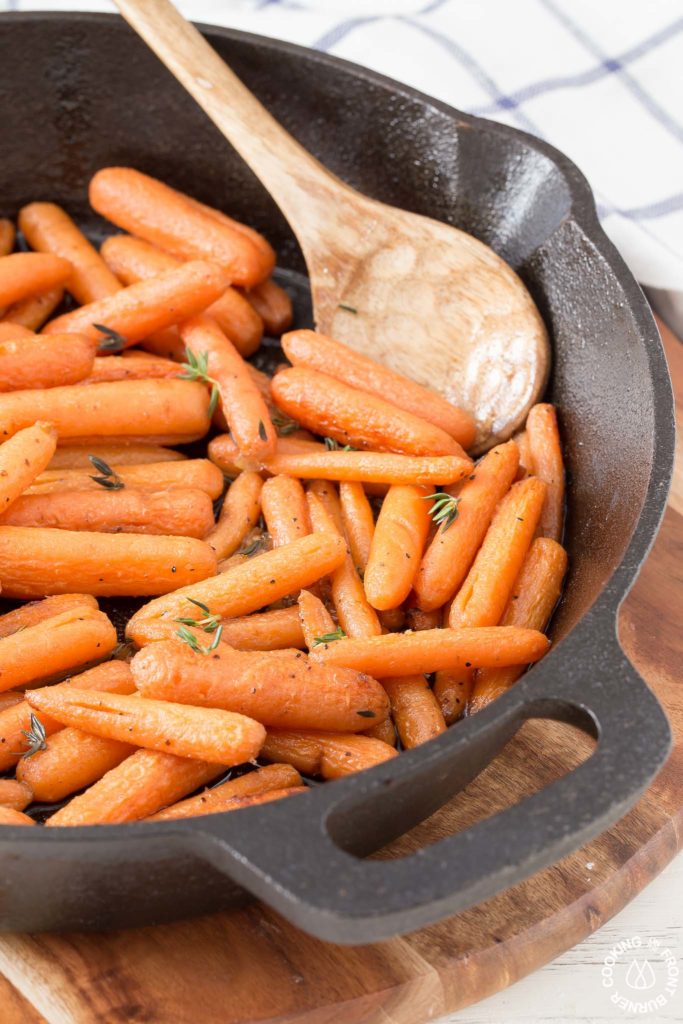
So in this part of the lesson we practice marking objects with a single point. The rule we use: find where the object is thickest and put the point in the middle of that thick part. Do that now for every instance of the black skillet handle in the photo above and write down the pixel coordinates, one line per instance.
(296, 862)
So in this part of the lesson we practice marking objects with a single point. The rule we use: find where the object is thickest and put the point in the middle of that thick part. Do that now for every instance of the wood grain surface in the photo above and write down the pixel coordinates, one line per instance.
(250, 965)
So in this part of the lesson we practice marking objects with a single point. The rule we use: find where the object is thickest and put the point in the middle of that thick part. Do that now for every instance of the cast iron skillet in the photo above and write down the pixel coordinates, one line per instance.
(80, 91)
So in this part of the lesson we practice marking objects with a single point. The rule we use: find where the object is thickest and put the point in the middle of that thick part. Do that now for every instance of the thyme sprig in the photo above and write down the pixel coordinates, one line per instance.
(192, 642)
(36, 737)
(328, 638)
(283, 424)
(113, 341)
(444, 511)
(109, 478)
(347, 308)
(197, 368)
(252, 548)
(334, 446)
(210, 623)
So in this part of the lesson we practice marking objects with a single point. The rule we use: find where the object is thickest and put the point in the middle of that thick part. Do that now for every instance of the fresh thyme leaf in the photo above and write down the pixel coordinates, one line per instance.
(366, 714)
(197, 368)
(262, 433)
(284, 425)
(191, 640)
(444, 511)
(349, 309)
(328, 638)
(109, 479)
(210, 623)
(113, 341)
(252, 548)
(200, 604)
(36, 736)
(334, 446)
(213, 401)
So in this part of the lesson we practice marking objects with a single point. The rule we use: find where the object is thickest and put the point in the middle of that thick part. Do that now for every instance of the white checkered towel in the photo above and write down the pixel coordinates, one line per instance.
(600, 79)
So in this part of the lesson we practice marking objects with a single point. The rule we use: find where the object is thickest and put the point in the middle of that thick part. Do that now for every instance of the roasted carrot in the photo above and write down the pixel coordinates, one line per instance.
(397, 545)
(130, 367)
(14, 794)
(247, 587)
(409, 653)
(142, 784)
(23, 458)
(133, 259)
(10, 698)
(170, 411)
(329, 407)
(210, 804)
(241, 401)
(29, 273)
(37, 611)
(548, 465)
(316, 621)
(181, 512)
(273, 305)
(239, 514)
(197, 474)
(285, 690)
(536, 591)
(451, 553)
(414, 709)
(35, 310)
(10, 331)
(72, 760)
(36, 562)
(48, 228)
(54, 646)
(329, 754)
(67, 457)
(385, 732)
(7, 236)
(417, 620)
(274, 777)
(45, 362)
(285, 510)
(358, 520)
(319, 352)
(8, 816)
(265, 631)
(169, 219)
(522, 442)
(201, 733)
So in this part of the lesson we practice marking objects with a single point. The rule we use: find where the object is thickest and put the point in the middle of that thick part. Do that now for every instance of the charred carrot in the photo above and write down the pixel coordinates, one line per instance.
(36, 562)
(197, 474)
(142, 784)
(208, 803)
(247, 587)
(151, 210)
(48, 228)
(397, 545)
(45, 362)
(285, 510)
(359, 521)
(536, 591)
(22, 459)
(331, 755)
(7, 236)
(130, 367)
(451, 553)
(9, 816)
(239, 514)
(273, 305)
(37, 611)
(414, 709)
(547, 464)
(67, 457)
(29, 273)
(14, 794)
(319, 352)
(35, 310)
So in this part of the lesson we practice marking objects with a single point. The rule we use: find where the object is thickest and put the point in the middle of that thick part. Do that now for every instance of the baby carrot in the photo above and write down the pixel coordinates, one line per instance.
(451, 553)
(133, 259)
(130, 367)
(171, 411)
(35, 562)
(536, 591)
(416, 619)
(35, 310)
(316, 621)
(29, 273)
(14, 794)
(273, 305)
(67, 457)
(10, 698)
(197, 474)
(37, 361)
(548, 465)
(274, 778)
(329, 754)
(8, 816)
(409, 653)
(142, 784)
(385, 732)
(23, 458)
(72, 638)
(37, 611)
(72, 760)
(358, 520)
(181, 512)
(349, 415)
(201, 733)
(240, 399)
(151, 210)
(285, 510)
(414, 708)
(239, 514)
(247, 587)
(48, 228)
(400, 535)
(522, 442)
(284, 689)
(264, 631)
(7, 235)
(319, 352)
(10, 331)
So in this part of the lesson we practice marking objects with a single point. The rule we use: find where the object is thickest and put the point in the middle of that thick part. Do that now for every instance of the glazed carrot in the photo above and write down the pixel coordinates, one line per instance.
(10, 331)
(180, 512)
(315, 621)
(283, 689)
(72, 760)
(10, 698)
(133, 259)
(247, 587)
(273, 778)
(385, 732)
(48, 228)
(414, 708)
(142, 784)
(358, 520)
(8, 816)
(261, 243)
(23, 458)
(265, 631)
(397, 545)
(548, 465)
(536, 591)
(35, 562)
(29, 273)
(45, 362)
(239, 514)
(331, 755)
(15, 721)
(197, 474)
(273, 305)
(354, 614)
(72, 638)
(409, 653)
(522, 442)
(14, 794)
(201, 733)
(329, 407)
(35, 310)
(319, 352)
(170, 411)
(208, 803)
(126, 367)
(151, 210)
(417, 620)
(37, 611)
(393, 620)
(451, 553)
(285, 510)
(7, 235)
(67, 457)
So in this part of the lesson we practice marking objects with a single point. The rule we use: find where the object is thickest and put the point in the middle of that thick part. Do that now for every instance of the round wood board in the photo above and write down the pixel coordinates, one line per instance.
(251, 965)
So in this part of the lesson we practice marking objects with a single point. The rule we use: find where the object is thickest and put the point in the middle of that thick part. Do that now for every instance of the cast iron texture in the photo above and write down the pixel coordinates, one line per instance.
(80, 91)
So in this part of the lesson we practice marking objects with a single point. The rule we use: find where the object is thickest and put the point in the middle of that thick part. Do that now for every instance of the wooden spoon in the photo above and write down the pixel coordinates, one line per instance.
(420, 296)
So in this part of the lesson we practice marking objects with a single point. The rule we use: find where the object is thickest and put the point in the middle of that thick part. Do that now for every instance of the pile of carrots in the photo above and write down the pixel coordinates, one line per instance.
(363, 585)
